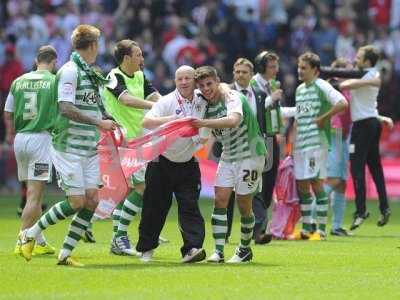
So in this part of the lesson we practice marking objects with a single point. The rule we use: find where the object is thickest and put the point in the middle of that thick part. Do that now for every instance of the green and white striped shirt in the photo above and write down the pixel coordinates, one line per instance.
(245, 140)
(312, 100)
(73, 85)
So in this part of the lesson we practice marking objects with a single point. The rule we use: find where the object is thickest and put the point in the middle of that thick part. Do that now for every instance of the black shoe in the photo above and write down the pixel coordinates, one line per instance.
(194, 255)
(340, 232)
(384, 218)
(263, 238)
(88, 237)
(358, 220)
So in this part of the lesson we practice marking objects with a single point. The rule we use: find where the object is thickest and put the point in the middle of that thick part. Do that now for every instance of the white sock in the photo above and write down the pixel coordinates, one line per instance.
(40, 239)
(63, 254)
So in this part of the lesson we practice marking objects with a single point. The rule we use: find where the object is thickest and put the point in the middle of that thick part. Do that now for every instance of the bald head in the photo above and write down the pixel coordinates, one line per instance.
(184, 69)
(184, 81)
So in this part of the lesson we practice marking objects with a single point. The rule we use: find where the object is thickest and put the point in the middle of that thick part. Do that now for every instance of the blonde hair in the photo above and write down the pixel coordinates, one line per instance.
(244, 61)
(84, 35)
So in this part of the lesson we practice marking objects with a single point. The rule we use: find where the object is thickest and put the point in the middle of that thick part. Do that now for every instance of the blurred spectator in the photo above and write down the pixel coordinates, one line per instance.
(213, 32)
(9, 70)
(26, 48)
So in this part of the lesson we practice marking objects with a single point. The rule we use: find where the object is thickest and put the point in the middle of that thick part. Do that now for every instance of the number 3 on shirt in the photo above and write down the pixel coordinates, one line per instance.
(30, 109)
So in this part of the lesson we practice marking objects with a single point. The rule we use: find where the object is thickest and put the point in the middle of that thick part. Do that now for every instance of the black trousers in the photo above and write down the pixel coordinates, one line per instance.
(365, 137)
(261, 201)
(163, 179)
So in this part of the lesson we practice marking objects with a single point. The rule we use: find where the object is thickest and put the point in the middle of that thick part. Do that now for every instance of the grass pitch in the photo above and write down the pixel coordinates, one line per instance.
(365, 266)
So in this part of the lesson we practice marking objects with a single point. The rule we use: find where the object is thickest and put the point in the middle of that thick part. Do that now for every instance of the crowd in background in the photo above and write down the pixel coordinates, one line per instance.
(199, 32)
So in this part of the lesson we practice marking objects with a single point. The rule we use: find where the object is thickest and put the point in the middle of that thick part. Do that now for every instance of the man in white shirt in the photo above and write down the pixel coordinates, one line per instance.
(365, 135)
(176, 172)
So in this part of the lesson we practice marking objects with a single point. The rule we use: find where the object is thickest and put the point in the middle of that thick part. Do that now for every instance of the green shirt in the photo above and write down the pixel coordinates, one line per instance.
(34, 101)
(241, 142)
(73, 85)
(313, 100)
(130, 118)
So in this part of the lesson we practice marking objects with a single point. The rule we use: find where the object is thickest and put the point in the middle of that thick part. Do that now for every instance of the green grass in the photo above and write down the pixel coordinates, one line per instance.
(366, 266)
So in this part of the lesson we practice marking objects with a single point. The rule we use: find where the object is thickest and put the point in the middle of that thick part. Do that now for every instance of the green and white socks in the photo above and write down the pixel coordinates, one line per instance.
(79, 224)
(131, 207)
(306, 211)
(55, 214)
(219, 222)
(322, 211)
(246, 230)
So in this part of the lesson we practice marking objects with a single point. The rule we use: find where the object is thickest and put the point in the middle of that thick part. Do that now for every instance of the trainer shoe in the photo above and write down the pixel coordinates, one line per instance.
(69, 261)
(194, 255)
(122, 246)
(358, 220)
(384, 218)
(301, 235)
(241, 255)
(88, 237)
(26, 245)
(318, 236)
(146, 256)
(43, 249)
(216, 257)
(340, 232)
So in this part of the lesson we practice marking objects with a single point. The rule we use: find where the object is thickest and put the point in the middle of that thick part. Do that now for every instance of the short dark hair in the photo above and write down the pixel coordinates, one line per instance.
(262, 59)
(312, 59)
(122, 48)
(371, 54)
(204, 72)
(46, 54)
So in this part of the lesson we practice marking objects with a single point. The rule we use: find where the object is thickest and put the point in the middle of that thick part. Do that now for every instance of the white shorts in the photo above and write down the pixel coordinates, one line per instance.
(244, 176)
(76, 173)
(32, 155)
(310, 164)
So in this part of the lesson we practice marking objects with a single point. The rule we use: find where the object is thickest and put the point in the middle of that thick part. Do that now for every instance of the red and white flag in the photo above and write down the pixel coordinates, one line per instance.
(120, 159)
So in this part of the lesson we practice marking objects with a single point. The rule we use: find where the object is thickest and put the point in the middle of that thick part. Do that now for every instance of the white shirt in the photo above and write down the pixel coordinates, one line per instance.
(68, 82)
(250, 96)
(181, 150)
(363, 102)
(9, 106)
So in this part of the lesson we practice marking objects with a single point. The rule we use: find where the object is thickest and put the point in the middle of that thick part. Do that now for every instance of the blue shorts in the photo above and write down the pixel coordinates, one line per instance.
(338, 158)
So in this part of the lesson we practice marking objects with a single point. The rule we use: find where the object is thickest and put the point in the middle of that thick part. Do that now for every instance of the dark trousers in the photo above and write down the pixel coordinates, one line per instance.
(261, 201)
(163, 179)
(365, 137)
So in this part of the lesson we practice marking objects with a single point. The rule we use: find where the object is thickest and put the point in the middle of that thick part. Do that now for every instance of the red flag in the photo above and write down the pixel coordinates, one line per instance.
(148, 147)
(115, 187)
(117, 162)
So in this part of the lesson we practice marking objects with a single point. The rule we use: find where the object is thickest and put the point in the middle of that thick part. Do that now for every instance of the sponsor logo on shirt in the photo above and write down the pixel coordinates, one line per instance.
(67, 88)
(91, 97)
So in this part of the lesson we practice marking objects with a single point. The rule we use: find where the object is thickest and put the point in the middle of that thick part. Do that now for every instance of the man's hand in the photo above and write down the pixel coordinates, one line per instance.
(387, 121)
(277, 95)
(10, 138)
(107, 125)
(320, 122)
